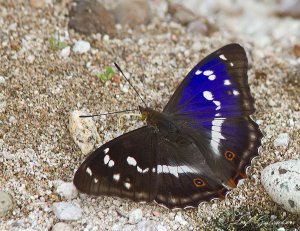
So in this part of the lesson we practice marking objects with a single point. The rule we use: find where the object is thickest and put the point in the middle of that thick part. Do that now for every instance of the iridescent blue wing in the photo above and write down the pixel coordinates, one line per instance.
(213, 105)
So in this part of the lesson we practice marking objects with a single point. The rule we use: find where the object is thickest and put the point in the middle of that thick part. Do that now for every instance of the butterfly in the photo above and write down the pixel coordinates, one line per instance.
(195, 150)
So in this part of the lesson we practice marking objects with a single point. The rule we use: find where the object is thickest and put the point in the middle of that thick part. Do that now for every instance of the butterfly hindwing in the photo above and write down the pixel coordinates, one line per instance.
(183, 175)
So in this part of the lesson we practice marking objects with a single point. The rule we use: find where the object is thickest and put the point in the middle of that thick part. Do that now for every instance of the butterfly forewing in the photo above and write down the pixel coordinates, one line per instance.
(213, 104)
(124, 167)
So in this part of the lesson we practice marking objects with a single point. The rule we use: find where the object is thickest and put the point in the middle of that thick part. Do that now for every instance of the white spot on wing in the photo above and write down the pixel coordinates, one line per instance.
(227, 82)
(231, 64)
(106, 159)
(216, 135)
(89, 171)
(106, 150)
(218, 104)
(222, 57)
(116, 177)
(208, 72)
(111, 163)
(235, 92)
(95, 180)
(139, 169)
(127, 185)
(212, 77)
(208, 95)
(198, 72)
(175, 170)
(131, 161)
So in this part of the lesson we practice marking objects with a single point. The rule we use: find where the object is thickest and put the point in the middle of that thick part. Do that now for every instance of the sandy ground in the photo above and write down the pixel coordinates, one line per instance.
(41, 89)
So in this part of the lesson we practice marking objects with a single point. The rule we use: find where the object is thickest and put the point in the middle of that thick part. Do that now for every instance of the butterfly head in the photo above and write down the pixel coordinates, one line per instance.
(144, 112)
(148, 114)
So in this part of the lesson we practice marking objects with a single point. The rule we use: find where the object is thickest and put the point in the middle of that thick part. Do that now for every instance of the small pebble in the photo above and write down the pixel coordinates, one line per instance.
(2, 102)
(296, 50)
(67, 190)
(30, 59)
(38, 3)
(196, 46)
(6, 203)
(197, 27)
(65, 53)
(149, 226)
(67, 211)
(282, 140)
(106, 38)
(2, 80)
(289, 8)
(135, 216)
(179, 219)
(62, 227)
(124, 88)
(81, 47)
(83, 131)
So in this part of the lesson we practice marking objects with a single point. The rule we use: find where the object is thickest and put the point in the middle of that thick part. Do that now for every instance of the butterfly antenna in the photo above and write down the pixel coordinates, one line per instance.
(119, 69)
(108, 113)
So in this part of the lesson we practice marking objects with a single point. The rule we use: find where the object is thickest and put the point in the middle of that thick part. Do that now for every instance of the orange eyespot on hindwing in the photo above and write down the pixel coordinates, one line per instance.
(231, 183)
(229, 155)
(198, 182)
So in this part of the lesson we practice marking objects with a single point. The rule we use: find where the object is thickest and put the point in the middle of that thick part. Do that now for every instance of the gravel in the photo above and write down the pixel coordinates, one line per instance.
(41, 89)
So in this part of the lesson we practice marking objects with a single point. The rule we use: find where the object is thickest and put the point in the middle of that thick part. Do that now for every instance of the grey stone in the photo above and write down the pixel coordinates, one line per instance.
(6, 203)
(282, 182)
(90, 17)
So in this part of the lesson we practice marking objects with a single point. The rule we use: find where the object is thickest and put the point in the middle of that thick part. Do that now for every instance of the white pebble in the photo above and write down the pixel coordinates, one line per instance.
(2, 80)
(62, 227)
(149, 225)
(124, 88)
(67, 211)
(30, 58)
(281, 181)
(2, 102)
(135, 216)
(282, 140)
(67, 190)
(64, 53)
(196, 46)
(81, 47)
(179, 219)
(83, 131)
(6, 203)
(106, 37)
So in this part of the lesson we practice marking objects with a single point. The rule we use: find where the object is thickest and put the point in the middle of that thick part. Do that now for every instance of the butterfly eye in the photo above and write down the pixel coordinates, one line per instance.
(198, 182)
(229, 155)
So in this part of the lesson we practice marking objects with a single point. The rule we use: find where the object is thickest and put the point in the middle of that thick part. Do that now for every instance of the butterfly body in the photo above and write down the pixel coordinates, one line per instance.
(161, 123)
(195, 150)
